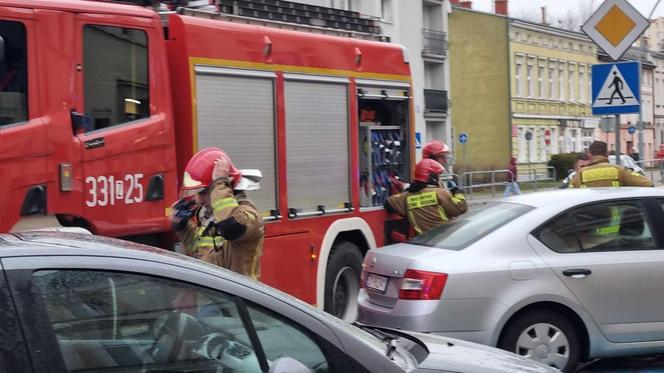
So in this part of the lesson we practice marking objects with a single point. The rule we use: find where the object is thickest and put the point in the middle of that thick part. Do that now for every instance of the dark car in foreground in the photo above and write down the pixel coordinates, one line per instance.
(76, 302)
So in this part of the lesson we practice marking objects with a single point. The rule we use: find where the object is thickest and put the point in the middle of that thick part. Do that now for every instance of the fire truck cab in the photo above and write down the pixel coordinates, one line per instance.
(102, 105)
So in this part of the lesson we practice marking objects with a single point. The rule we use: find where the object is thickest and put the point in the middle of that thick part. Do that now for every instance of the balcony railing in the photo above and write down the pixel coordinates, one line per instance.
(435, 101)
(434, 42)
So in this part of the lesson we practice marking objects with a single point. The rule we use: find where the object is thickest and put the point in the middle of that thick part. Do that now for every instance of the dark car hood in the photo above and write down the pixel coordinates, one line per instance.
(460, 356)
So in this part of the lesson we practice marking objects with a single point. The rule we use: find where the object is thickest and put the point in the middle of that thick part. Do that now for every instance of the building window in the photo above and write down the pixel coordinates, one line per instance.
(518, 83)
(590, 85)
(540, 81)
(530, 81)
(561, 83)
(386, 10)
(551, 83)
(570, 84)
(581, 84)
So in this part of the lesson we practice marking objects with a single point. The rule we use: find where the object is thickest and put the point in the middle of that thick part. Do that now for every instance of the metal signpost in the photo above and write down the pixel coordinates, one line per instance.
(616, 87)
(463, 139)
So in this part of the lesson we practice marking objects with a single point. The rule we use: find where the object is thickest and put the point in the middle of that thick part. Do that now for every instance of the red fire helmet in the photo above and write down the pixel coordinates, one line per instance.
(435, 148)
(198, 172)
(426, 168)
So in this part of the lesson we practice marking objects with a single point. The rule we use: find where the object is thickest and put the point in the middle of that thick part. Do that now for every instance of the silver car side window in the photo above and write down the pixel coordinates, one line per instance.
(616, 226)
(560, 235)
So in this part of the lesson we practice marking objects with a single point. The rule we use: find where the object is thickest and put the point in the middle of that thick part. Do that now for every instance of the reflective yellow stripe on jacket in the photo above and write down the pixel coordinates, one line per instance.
(206, 241)
(224, 203)
(421, 200)
(418, 201)
(601, 174)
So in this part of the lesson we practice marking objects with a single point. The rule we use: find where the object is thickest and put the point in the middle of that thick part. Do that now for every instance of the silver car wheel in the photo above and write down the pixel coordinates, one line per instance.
(544, 343)
(344, 292)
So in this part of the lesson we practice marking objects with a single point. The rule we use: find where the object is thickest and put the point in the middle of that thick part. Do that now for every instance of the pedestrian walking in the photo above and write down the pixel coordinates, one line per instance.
(215, 220)
(659, 155)
(427, 204)
(600, 173)
(512, 187)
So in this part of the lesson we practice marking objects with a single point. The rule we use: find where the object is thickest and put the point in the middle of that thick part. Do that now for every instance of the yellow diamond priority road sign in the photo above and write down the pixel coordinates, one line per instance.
(614, 26)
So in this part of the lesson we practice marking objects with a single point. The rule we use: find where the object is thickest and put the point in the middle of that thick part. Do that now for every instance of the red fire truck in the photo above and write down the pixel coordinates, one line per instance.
(102, 105)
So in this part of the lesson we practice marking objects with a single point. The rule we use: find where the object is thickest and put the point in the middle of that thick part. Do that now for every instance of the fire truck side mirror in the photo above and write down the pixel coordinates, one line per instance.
(80, 122)
(2, 49)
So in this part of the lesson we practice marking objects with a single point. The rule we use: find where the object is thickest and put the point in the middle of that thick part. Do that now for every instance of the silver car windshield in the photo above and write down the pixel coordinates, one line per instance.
(468, 228)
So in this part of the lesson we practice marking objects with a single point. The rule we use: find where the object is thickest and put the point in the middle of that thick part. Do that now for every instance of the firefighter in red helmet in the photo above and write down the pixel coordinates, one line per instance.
(427, 204)
(438, 151)
(214, 218)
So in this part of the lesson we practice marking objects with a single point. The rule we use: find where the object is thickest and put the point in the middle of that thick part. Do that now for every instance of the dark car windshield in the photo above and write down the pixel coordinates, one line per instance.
(470, 227)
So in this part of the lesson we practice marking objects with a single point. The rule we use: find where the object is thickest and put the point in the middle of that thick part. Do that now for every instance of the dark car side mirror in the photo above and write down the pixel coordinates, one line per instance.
(80, 122)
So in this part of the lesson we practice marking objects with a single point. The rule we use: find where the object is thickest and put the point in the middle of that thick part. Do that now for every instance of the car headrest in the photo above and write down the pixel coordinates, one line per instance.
(631, 222)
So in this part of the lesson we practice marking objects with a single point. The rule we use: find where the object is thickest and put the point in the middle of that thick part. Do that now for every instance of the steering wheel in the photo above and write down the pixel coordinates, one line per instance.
(171, 332)
(230, 354)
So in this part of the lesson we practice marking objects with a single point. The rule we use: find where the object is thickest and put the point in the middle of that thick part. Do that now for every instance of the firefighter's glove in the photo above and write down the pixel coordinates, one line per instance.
(183, 211)
(453, 187)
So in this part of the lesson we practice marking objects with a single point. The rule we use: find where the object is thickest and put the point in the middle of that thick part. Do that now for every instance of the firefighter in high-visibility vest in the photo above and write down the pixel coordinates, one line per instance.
(427, 204)
(219, 225)
(600, 173)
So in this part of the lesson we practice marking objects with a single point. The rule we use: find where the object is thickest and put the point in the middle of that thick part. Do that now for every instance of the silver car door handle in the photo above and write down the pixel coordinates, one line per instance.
(577, 272)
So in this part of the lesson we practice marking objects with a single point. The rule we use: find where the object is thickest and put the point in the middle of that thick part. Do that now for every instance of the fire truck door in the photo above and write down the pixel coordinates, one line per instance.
(121, 124)
(23, 147)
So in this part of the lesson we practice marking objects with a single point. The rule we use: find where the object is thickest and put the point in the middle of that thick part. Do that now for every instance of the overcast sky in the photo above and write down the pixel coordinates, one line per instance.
(560, 8)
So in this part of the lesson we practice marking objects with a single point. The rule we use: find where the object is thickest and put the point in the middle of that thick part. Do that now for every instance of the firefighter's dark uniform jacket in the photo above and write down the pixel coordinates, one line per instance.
(230, 234)
(427, 207)
(600, 173)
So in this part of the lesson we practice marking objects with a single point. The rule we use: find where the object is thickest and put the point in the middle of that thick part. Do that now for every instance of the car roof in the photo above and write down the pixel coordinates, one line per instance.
(43, 243)
(576, 196)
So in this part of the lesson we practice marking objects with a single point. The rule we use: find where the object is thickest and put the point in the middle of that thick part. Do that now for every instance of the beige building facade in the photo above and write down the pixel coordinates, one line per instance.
(551, 77)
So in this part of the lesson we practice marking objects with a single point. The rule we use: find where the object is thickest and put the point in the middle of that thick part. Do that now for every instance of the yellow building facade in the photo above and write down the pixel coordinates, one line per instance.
(479, 87)
(550, 75)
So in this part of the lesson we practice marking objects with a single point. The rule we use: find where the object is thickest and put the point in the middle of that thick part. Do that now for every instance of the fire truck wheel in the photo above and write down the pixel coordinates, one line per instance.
(342, 281)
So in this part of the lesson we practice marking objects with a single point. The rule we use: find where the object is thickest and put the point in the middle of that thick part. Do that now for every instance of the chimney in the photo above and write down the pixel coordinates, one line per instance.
(544, 22)
(500, 7)
(466, 4)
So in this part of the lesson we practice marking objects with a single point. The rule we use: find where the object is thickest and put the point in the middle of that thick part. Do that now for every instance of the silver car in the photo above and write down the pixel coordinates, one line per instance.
(559, 276)
(92, 304)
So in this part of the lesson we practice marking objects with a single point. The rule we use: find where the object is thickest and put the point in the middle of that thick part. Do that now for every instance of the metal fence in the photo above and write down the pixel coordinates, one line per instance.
(470, 182)
(654, 169)
(498, 179)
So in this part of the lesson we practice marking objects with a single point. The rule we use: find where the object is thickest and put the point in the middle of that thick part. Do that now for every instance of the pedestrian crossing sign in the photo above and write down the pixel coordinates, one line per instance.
(616, 88)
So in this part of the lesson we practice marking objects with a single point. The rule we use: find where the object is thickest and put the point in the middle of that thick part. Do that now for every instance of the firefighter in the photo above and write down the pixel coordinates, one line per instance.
(600, 173)
(438, 151)
(219, 225)
(427, 204)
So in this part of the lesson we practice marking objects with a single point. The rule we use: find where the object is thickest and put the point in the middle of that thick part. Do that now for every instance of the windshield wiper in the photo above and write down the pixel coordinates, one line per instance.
(390, 340)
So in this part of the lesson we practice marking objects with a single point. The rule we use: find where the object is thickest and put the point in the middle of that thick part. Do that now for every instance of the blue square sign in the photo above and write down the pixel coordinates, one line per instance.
(616, 88)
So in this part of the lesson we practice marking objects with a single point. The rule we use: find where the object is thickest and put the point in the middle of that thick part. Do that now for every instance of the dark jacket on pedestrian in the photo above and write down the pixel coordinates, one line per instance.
(512, 174)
